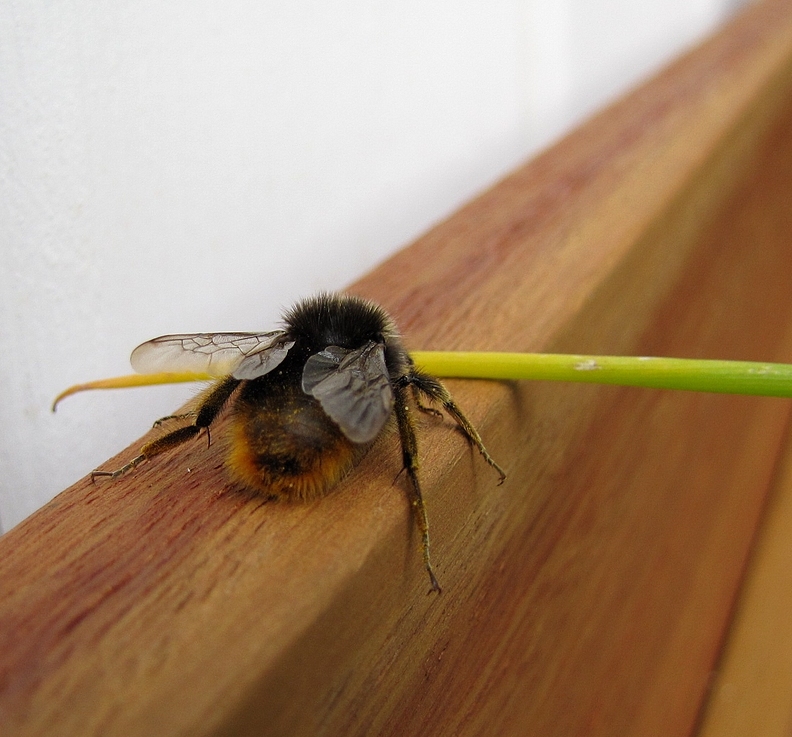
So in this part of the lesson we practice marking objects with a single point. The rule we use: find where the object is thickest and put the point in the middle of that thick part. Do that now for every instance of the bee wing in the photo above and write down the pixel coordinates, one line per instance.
(353, 388)
(245, 355)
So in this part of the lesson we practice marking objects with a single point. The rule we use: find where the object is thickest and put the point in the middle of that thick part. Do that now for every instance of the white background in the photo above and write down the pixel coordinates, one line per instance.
(196, 166)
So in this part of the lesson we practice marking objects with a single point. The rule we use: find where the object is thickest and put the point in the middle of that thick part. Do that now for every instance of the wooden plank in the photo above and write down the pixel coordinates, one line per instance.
(752, 688)
(589, 594)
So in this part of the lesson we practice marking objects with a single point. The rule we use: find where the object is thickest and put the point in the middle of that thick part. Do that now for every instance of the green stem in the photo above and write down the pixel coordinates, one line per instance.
(729, 377)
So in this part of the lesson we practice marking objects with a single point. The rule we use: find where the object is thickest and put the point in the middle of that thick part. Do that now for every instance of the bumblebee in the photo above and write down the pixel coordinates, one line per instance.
(306, 401)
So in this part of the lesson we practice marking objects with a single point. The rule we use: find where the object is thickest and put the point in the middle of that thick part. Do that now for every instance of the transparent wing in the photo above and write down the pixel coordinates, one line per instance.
(353, 387)
(245, 355)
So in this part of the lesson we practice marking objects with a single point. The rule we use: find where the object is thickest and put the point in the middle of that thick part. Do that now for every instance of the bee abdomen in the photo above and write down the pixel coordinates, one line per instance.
(287, 447)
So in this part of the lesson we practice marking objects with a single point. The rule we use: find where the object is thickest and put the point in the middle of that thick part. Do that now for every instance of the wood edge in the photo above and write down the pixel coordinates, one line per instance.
(751, 690)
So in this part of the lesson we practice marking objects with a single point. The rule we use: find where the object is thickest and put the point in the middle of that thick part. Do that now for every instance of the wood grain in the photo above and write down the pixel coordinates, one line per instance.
(752, 687)
(591, 593)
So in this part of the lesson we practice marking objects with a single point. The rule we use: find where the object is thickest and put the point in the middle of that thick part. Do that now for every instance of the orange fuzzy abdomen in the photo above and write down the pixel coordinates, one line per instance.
(284, 445)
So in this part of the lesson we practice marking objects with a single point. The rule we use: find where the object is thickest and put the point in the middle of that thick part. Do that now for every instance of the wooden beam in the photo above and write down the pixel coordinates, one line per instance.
(589, 594)
(752, 685)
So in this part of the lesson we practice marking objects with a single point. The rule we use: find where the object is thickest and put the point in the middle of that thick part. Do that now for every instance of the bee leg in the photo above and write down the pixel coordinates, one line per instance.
(409, 445)
(183, 416)
(435, 390)
(119, 471)
(421, 406)
(154, 448)
(204, 415)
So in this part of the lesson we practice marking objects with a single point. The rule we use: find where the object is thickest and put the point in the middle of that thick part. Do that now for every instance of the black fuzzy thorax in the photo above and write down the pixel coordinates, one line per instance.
(346, 321)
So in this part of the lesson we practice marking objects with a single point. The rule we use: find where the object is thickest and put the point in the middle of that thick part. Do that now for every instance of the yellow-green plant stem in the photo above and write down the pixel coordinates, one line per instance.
(131, 380)
(727, 377)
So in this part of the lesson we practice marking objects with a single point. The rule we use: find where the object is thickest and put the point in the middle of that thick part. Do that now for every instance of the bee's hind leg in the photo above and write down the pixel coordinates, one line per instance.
(205, 414)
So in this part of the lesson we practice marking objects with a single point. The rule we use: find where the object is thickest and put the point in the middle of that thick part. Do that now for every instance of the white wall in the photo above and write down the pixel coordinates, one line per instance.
(193, 166)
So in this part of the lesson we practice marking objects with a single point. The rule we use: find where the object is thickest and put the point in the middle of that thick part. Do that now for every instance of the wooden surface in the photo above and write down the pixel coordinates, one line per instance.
(591, 593)
(752, 685)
